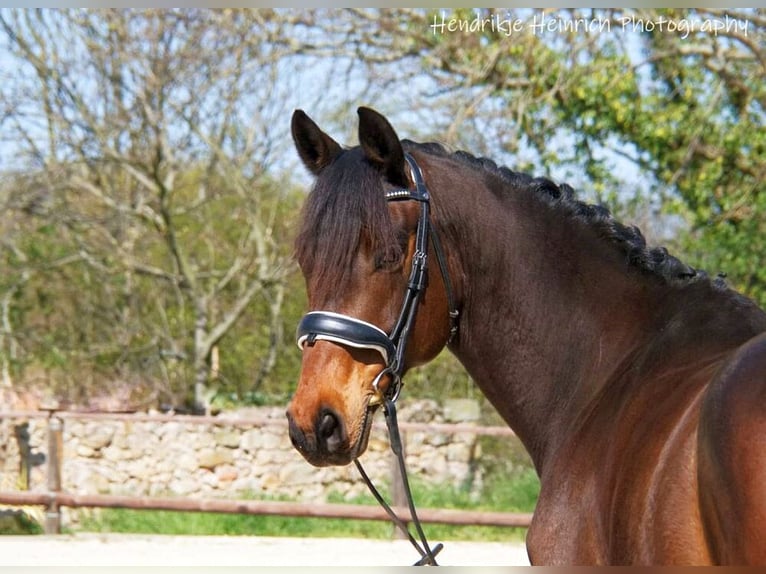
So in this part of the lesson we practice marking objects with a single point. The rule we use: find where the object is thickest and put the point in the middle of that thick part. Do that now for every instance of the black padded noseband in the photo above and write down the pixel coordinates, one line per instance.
(327, 326)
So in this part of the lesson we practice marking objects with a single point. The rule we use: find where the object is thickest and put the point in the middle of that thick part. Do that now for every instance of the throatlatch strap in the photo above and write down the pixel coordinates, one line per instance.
(425, 230)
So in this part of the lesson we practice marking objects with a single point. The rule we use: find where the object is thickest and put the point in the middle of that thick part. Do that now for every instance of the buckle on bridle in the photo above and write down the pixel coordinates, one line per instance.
(392, 392)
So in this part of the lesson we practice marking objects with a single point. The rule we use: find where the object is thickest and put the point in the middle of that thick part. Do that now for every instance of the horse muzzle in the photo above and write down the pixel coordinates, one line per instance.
(326, 443)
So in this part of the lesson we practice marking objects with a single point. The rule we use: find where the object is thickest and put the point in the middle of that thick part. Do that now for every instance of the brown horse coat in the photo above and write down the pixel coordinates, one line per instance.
(636, 383)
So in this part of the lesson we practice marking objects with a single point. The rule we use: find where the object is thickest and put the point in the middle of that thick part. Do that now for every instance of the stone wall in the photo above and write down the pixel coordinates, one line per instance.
(231, 460)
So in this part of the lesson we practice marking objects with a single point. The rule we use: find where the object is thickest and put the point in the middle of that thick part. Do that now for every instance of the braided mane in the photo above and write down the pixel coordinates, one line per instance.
(562, 197)
(346, 210)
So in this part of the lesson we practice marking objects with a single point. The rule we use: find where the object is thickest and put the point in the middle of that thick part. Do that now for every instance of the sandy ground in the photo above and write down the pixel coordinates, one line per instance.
(97, 550)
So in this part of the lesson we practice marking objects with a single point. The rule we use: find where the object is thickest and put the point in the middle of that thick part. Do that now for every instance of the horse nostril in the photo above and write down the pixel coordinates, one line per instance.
(328, 425)
(330, 433)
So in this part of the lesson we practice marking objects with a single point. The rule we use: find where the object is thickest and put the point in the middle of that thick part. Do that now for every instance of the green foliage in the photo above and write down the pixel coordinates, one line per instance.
(210, 524)
(17, 522)
(694, 136)
(91, 323)
(96, 296)
(442, 377)
(684, 111)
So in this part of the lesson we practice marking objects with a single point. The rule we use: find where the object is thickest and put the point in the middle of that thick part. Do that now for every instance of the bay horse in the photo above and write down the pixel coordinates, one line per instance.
(636, 383)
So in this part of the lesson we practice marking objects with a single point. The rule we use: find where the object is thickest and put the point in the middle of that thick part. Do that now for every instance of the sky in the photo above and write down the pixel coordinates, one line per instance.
(298, 76)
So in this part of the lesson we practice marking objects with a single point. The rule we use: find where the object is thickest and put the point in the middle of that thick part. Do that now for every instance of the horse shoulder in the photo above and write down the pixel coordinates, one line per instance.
(623, 493)
(563, 532)
(732, 453)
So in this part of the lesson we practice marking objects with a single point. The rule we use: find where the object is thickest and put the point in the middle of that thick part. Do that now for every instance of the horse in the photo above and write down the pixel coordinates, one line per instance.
(636, 382)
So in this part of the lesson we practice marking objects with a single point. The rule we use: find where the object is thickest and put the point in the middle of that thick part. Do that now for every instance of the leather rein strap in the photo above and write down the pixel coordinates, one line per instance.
(346, 330)
(427, 554)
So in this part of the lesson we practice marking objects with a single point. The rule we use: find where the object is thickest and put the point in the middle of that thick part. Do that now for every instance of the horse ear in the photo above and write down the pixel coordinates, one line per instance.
(316, 148)
(381, 146)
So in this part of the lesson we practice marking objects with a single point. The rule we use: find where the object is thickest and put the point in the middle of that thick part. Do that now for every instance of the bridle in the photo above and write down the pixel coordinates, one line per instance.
(353, 332)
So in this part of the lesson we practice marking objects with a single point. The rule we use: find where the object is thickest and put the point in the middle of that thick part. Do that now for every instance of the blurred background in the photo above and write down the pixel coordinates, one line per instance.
(149, 189)
(149, 194)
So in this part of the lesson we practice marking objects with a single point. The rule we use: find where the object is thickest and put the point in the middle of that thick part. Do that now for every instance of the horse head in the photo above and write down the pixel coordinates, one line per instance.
(359, 251)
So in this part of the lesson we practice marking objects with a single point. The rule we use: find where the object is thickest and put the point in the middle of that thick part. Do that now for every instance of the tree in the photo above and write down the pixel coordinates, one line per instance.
(151, 133)
(676, 95)
(146, 235)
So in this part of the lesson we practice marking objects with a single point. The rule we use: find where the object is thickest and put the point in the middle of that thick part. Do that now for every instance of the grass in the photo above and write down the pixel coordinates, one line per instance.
(515, 494)
(16, 522)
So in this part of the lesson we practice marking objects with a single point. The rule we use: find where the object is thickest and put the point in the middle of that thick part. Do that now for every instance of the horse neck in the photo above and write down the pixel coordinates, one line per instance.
(547, 311)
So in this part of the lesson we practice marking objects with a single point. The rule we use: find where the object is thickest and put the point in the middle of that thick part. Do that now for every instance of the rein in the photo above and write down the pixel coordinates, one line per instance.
(346, 330)
(427, 554)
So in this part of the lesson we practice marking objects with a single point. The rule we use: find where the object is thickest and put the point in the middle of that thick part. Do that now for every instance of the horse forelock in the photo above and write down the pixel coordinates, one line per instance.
(345, 211)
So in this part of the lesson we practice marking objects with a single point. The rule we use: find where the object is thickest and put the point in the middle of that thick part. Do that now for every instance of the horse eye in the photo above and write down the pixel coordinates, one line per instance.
(388, 259)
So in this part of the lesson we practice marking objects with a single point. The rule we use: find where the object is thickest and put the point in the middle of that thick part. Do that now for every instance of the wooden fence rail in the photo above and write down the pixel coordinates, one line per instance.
(263, 507)
(55, 498)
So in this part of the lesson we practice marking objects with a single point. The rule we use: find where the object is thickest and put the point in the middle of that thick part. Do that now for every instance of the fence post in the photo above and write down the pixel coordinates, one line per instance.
(55, 455)
(21, 431)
